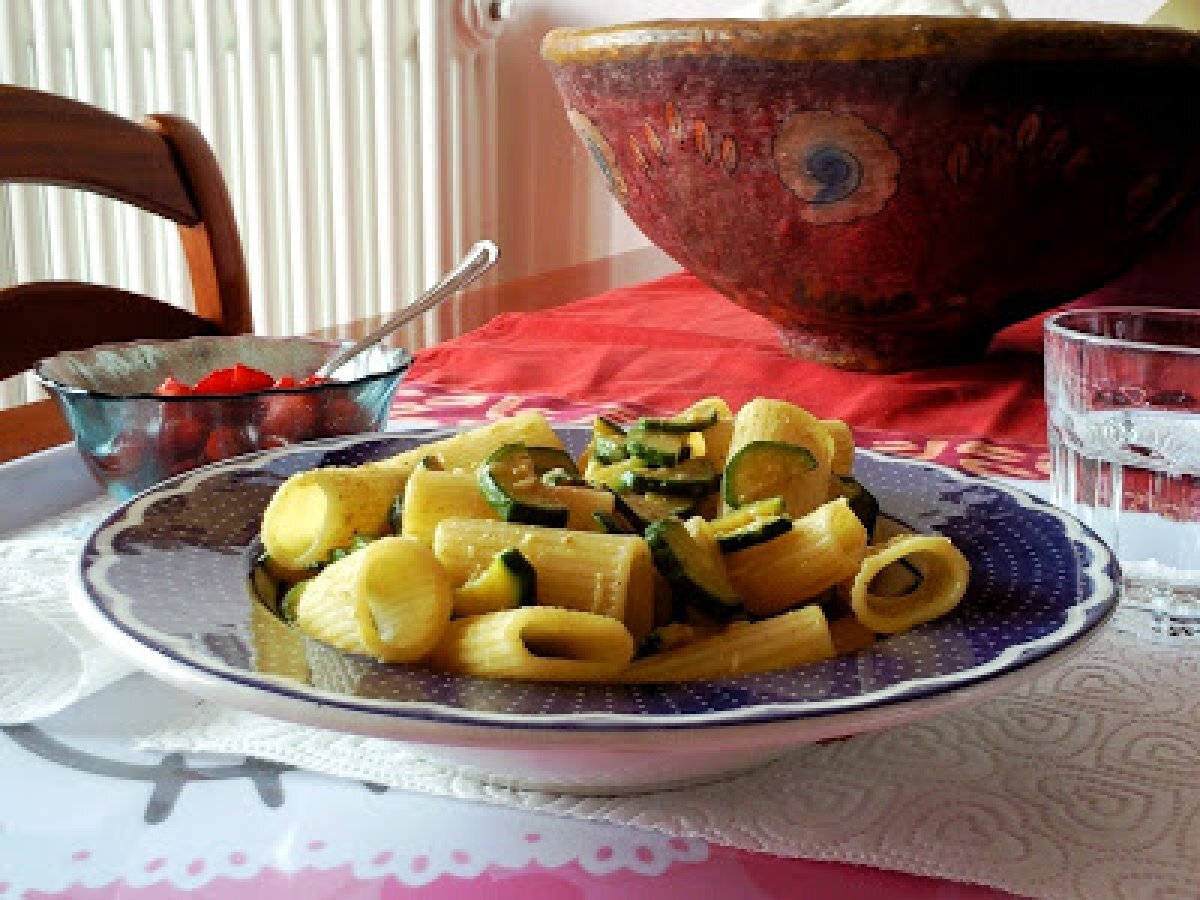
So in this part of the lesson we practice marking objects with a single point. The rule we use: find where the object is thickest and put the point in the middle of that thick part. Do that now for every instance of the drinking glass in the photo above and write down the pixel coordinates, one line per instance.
(1123, 401)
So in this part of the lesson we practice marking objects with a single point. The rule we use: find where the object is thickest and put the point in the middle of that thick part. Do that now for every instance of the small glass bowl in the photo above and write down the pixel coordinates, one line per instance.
(132, 438)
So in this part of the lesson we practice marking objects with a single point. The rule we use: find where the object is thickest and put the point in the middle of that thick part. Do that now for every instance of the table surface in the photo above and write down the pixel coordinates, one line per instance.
(88, 815)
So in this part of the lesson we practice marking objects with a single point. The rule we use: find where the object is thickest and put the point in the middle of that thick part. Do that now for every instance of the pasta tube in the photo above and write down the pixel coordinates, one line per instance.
(824, 547)
(535, 643)
(744, 648)
(776, 420)
(943, 572)
(432, 496)
(606, 574)
(315, 512)
(390, 600)
(469, 448)
(842, 461)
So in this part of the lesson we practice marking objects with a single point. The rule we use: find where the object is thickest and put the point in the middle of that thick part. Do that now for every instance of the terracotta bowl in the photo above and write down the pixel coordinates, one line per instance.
(890, 192)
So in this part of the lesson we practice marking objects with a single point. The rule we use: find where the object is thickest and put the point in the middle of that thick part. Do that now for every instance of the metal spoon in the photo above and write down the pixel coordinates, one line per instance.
(481, 257)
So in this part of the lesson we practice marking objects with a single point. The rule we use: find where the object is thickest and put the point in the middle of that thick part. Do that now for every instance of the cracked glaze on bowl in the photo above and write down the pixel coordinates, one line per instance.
(890, 192)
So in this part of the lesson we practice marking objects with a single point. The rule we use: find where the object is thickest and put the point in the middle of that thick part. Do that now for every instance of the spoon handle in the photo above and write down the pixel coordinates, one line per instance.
(481, 257)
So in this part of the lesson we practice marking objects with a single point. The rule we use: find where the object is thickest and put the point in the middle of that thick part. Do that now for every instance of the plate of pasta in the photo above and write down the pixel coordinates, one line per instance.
(603, 607)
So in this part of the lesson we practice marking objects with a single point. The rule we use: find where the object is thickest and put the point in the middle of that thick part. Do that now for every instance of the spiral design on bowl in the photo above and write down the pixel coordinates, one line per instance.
(841, 167)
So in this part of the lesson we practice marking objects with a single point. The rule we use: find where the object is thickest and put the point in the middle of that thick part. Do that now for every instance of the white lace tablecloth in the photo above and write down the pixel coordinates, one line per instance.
(48, 660)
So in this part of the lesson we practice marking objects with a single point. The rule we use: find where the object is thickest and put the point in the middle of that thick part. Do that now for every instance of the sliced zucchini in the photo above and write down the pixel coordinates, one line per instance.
(643, 509)
(356, 543)
(547, 459)
(608, 441)
(690, 478)
(695, 576)
(287, 603)
(896, 580)
(772, 506)
(862, 502)
(657, 448)
(609, 476)
(694, 419)
(666, 637)
(396, 514)
(562, 478)
(509, 482)
(758, 530)
(763, 469)
(610, 524)
(508, 581)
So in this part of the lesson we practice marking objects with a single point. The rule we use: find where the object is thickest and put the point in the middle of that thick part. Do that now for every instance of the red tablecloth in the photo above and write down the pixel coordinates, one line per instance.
(661, 345)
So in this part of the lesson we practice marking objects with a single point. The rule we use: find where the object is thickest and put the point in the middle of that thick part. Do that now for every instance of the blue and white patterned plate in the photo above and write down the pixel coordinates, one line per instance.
(165, 581)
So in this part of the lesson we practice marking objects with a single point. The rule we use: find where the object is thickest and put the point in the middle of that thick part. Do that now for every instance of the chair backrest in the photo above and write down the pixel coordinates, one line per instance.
(163, 166)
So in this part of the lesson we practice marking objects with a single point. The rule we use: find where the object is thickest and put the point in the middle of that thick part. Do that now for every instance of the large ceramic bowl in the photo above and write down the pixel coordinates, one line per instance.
(890, 192)
(165, 581)
(131, 437)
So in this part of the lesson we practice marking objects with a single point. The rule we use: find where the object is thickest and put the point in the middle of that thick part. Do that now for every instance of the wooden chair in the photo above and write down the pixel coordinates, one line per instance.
(163, 166)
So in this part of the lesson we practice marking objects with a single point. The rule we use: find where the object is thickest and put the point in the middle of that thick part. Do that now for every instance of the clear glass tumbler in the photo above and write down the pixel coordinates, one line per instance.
(1123, 400)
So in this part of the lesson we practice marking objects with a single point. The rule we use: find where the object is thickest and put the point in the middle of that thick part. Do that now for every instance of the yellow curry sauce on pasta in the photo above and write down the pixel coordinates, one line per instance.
(701, 545)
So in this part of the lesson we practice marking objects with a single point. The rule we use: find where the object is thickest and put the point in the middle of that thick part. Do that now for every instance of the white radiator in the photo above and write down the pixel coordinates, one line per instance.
(357, 138)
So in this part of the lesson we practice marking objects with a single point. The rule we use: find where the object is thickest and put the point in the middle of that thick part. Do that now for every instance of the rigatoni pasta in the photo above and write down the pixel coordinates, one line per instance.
(941, 573)
(535, 643)
(605, 574)
(709, 544)
(390, 600)
(744, 648)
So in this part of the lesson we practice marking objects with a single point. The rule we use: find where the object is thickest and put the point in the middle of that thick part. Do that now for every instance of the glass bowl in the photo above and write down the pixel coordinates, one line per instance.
(132, 438)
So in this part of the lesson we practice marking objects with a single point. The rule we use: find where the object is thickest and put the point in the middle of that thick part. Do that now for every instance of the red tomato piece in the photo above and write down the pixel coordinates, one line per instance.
(181, 436)
(290, 417)
(341, 415)
(219, 381)
(285, 381)
(246, 379)
(225, 441)
(237, 379)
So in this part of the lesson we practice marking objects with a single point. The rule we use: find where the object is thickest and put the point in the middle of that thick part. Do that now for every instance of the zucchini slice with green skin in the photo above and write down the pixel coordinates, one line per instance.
(641, 510)
(608, 441)
(396, 513)
(762, 469)
(356, 543)
(509, 482)
(758, 530)
(610, 524)
(691, 478)
(687, 421)
(546, 459)
(562, 478)
(508, 581)
(287, 603)
(772, 506)
(609, 476)
(666, 637)
(861, 501)
(694, 576)
(657, 448)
